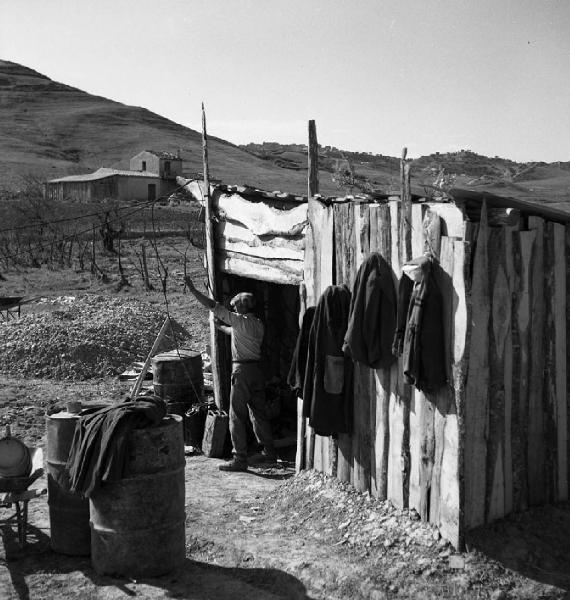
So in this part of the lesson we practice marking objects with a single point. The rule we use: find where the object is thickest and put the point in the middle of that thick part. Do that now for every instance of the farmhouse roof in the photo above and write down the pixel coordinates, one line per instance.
(165, 155)
(103, 173)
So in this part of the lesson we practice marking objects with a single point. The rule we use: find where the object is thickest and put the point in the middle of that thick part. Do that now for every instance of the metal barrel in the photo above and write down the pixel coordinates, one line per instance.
(178, 379)
(68, 512)
(138, 522)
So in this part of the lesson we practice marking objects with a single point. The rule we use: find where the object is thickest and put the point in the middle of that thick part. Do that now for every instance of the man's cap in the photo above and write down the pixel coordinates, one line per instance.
(247, 300)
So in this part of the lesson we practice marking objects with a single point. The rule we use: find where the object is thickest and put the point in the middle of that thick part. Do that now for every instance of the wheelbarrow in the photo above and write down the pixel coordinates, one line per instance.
(14, 490)
(11, 305)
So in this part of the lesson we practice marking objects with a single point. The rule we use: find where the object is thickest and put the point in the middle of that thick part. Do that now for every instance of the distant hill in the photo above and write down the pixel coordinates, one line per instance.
(49, 129)
(465, 169)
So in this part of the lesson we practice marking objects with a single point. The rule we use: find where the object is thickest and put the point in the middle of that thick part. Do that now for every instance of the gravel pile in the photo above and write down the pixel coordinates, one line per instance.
(90, 337)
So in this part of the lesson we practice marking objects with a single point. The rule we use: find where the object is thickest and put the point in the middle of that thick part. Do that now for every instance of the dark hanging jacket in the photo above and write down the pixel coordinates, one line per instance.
(328, 387)
(296, 377)
(419, 335)
(372, 321)
(99, 449)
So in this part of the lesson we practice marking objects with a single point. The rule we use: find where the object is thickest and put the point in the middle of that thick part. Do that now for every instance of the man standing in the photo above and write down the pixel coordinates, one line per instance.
(247, 396)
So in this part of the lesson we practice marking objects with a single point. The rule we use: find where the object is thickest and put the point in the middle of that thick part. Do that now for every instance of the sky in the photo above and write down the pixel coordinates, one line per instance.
(492, 76)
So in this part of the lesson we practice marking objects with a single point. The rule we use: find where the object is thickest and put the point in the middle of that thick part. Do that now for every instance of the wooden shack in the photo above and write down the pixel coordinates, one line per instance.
(259, 247)
(494, 440)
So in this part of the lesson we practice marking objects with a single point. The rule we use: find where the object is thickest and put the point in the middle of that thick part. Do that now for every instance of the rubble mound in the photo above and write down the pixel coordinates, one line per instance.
(90, 337)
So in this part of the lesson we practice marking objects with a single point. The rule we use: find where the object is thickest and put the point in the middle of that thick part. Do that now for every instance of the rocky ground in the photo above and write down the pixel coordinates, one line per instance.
(259, 535)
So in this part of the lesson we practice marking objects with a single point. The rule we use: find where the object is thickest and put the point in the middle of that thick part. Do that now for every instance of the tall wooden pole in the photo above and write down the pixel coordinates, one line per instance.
(220, 396)
(405, 210)
(313, 180)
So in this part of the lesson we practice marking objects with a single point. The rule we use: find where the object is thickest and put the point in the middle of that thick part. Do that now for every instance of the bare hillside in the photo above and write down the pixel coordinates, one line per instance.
(48, 129)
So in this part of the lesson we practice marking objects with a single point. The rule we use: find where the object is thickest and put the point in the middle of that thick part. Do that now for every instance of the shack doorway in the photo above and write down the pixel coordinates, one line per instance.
(278, 306)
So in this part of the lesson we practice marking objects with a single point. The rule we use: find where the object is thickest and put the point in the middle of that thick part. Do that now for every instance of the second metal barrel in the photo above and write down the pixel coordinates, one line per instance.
(138, 522)
(68, 512)
(178, 379)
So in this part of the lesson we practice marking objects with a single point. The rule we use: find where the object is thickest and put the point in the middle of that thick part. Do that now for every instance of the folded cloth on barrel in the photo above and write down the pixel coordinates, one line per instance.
(99, 448)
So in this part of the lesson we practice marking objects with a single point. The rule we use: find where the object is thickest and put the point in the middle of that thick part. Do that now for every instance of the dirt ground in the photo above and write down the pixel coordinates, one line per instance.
(267, 533)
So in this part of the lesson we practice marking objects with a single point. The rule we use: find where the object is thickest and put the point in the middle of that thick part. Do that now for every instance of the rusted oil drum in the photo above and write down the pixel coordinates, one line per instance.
(138, 523)
(68, 512)
(178, 379)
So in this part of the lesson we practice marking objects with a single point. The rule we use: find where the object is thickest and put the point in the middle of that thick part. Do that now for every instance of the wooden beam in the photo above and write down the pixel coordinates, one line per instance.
(524, 243)
(477, 384)
(363, 375)
(398, 411)
(535, 445)
(219, 369)
(443, 402)
(381, 242)
(344, 245)
(500, 331)
(313, 181)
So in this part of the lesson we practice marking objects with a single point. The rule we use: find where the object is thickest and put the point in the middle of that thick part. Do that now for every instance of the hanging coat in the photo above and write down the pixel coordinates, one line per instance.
(419, 336)
(372, 321)
(328, 388)
(296, 377)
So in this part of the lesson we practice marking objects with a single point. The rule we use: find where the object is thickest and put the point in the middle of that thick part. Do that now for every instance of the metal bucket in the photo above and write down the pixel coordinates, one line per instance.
(68, 512)
(178, 379)
(138, 523)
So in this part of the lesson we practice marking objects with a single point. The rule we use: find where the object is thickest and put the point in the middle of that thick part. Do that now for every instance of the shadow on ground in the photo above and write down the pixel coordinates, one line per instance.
(74, 577)
(535, 544)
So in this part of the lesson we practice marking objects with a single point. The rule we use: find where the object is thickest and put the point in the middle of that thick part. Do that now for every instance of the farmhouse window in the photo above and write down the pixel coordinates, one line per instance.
(144, 165)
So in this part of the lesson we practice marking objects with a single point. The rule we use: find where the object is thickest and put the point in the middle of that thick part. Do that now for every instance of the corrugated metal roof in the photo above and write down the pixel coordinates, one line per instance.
(103, 173)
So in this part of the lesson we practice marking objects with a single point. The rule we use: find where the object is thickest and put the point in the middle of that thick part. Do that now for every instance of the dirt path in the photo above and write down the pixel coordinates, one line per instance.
(267, 534)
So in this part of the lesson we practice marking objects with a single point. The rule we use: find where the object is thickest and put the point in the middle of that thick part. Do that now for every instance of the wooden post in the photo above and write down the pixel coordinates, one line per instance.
(220, 390)
(406, 210)
(380, 241)
(477, 383)
(313, 182)
(313, 444)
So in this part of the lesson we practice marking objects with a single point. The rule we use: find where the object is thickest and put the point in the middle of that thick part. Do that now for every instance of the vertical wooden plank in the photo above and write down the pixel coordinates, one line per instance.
(559, 307)
(477, 384)
(442, 399)
(363, 376)
(508, 372)
(500, 330)
(381, 242)
(344, 238)
(549, 340)
(313, 160)
(421, 412)
(535, 445)
(310, 274)
(398, 466)
(405, 223)
(219, 362)
(567, 262)
(322, 219)
(523, 246)
(452, 484)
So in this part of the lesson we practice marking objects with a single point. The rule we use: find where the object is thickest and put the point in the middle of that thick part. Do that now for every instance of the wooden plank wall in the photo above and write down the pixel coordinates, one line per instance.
(495, 439)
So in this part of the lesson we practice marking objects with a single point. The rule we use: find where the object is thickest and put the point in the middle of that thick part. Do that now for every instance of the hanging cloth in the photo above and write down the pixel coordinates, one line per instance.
(296, 376)
(419, 337)
(372, 320)
(328, 385)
